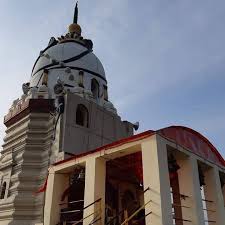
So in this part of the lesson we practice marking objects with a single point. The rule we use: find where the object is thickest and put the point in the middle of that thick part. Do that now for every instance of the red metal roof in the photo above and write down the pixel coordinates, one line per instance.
(194, 141)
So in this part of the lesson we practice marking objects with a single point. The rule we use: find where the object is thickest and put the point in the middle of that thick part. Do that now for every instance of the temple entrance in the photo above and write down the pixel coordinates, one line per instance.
(124, 191)
(72, 201)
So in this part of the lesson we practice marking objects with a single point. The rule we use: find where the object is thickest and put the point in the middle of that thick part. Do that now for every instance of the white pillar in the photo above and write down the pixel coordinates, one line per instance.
(223, 191)
(223, 188)
(156, 176)
(190, 186)
(213, 192)
(57, 183)
(95, 175)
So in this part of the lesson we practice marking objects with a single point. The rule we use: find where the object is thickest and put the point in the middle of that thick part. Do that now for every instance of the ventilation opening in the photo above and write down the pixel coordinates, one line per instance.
(95, 88)
(2, 196)
(81, 79)
(82, 116)
(105, 89)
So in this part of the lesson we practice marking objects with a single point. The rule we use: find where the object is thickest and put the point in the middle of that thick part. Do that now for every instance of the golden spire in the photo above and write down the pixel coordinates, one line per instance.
(75, 27)
(75, 19)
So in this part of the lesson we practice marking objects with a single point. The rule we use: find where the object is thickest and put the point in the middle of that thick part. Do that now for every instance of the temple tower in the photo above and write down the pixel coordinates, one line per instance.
(64, 111)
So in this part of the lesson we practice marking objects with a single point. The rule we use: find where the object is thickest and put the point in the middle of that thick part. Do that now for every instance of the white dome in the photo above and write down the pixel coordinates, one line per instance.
(68, 54)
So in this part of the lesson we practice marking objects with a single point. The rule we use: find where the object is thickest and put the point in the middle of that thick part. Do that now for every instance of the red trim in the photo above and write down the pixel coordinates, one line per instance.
(43, 187)
(23, 109)
(133, 138)
(164, 132)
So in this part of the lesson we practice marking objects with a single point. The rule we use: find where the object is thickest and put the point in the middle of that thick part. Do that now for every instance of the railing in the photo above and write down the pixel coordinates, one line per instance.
(95, 221)
(76, 222)
(206, 200)
(81, 210)
(182, 206)
(182, 196)
(208, 210)
(135, 213)
(72, 202)
(119, 213)
(181, 219)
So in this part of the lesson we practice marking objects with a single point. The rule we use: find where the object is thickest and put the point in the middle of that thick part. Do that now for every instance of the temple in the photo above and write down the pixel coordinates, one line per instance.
(69, 158)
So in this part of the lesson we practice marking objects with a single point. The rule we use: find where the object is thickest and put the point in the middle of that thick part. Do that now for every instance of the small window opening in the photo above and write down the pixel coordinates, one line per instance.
(2, 196)
(81, 79)
(95, 88)
(82, 116)
(105, 92)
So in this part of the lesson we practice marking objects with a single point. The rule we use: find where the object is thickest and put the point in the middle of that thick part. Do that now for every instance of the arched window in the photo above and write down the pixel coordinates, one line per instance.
(81, 79)
(3, 189)
(82, 115)
(95, 88)
(105, 92)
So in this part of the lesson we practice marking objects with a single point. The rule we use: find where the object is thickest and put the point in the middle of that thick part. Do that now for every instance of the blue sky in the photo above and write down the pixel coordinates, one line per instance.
(164, 59)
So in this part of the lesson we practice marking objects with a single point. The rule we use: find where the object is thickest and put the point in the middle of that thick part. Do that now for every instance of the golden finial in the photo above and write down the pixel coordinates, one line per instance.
(75, 27)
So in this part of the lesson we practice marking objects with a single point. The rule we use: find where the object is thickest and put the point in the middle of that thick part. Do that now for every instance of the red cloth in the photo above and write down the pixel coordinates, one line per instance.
(43, 187)
(133, 163)
(173, 175)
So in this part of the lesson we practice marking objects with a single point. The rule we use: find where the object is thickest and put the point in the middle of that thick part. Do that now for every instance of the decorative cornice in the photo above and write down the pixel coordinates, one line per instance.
(29, 106)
